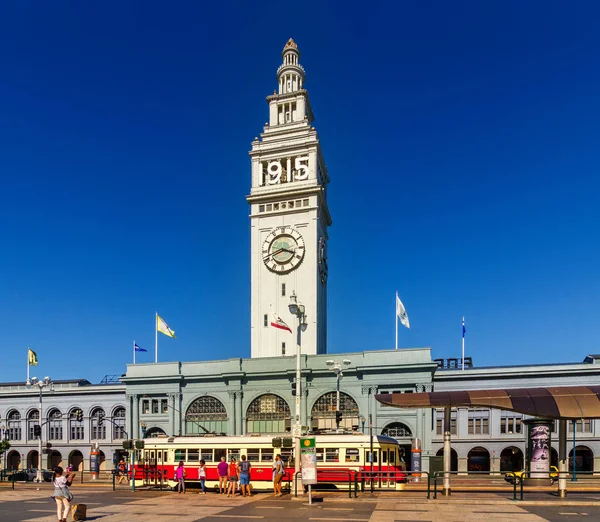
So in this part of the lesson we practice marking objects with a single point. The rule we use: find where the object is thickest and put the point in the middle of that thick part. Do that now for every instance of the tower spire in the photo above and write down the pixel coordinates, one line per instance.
(290, 74)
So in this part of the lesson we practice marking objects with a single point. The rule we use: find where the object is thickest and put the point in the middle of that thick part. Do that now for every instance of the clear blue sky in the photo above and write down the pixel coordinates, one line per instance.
(462, 140)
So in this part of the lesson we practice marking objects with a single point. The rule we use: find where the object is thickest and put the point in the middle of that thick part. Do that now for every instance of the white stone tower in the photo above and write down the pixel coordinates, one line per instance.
(289, 218)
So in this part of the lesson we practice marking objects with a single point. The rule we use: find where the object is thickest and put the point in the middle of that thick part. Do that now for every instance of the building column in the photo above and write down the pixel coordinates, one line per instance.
(240, 417)
(136, 417)
(447, 450)
(563, 465)
(232, 413)
(178, 413)
(172, 414)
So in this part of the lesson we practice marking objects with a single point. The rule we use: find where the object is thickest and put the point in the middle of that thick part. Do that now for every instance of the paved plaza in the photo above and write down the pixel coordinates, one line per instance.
(30, 504)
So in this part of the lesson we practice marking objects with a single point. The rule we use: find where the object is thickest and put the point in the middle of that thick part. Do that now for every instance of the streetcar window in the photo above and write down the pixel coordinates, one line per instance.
(267, 455)
(320, 455)
(152, 454)
(253, 455)
(384, 456)
(286, 456)
(332, 455)
(392, 456)
(351, 454)
(233, 453)
(179, 455)
(220, 452)
(207, 454)
(193, 455)
(368, 458)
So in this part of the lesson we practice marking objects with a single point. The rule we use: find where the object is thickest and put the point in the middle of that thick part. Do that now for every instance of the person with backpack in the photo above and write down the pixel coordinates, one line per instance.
(180, 475)
(61, 494)
(244, 469)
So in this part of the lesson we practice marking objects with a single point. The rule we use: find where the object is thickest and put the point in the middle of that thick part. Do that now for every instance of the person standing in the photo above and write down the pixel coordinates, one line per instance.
(222, 468)
(279, 473)
(232, 477)
(202, 476)
(122, 472)
(62, 495)
(180, 477)
(244, 469)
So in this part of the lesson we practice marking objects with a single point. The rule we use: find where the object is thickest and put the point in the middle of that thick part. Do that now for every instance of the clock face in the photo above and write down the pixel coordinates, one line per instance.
(283, 250)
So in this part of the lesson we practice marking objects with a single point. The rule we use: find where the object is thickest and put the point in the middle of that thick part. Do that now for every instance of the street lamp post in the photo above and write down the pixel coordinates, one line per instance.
(34, 381)
(338, 368)
(299, 311)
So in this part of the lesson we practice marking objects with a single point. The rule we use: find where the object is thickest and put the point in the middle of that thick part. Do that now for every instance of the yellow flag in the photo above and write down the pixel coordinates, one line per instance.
(32, 357)
(163, 327)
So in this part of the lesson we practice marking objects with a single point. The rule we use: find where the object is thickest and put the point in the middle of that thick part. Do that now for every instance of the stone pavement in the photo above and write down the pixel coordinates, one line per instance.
(30, 504)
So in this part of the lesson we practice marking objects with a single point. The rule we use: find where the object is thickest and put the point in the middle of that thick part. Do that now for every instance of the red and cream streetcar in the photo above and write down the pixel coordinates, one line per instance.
(341, 453)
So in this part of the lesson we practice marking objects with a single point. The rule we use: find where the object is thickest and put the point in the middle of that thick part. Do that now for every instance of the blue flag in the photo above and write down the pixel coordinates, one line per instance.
(464, 330)
(138, 349)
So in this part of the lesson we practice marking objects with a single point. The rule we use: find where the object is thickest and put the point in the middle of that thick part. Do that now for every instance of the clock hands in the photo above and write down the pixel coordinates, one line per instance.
(279, 251)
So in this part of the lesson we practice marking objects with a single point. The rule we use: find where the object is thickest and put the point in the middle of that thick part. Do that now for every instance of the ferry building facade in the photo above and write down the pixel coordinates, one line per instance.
(289, 229)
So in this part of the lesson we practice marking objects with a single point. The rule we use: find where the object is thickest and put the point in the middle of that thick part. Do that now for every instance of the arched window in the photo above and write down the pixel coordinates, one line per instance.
(33, 420)
(55, 428)
(98, 426)
(14, 425)
(76, 427)
(208, 413)
(397, 430)
(323, 412)
(155, 432)
(268, 413)
(119, 431)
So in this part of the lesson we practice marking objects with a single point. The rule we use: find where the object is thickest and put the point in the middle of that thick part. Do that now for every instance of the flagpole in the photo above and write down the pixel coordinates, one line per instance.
(156, 338)
(28, 348)
(396, 308)
(134, 351)
(463, 344)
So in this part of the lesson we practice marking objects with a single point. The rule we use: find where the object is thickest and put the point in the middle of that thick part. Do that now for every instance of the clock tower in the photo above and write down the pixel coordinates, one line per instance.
(289, 219)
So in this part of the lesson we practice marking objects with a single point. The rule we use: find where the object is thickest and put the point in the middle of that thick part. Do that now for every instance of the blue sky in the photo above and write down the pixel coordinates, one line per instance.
(461, 139)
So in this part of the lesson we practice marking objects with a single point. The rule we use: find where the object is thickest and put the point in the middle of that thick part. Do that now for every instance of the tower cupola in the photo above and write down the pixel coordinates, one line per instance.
(290, 74)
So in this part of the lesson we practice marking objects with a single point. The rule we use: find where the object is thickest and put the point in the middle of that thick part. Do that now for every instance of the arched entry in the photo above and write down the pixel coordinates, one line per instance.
(54, 459)
(75, 460)
(13, 460)
(553, 457)
(584, 460)
(323, 412)
(268, 413)
(478, 459)
(511, 459)
(397, 430)
(453, 458)
(206, 412)
(32, 459)
(101, 460)
(156, 432)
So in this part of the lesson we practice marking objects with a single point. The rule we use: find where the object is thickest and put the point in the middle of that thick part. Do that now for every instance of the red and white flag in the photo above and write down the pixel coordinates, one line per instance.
(278, 322)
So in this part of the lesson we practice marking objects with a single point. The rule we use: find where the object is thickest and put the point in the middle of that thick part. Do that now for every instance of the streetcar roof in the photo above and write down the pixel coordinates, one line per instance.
(237, 440)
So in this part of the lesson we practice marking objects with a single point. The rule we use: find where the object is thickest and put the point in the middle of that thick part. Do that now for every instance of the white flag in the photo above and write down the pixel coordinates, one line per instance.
(401, 313)
(163, 327)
